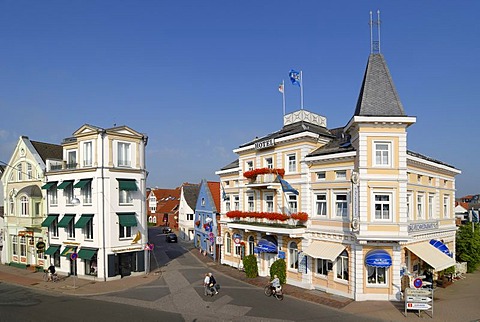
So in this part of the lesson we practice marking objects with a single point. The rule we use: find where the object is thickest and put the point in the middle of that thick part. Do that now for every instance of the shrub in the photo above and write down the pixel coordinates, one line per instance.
(279, 268)
(250, 266)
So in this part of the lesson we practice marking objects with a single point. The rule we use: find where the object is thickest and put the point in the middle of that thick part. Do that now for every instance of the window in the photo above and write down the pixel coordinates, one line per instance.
(228, 243)
(203, 201)
(341, 174)
(238, 249)
(269, 202)
(23, 246)
(190, 217)
(53, 228)
(292, 204)
(292, 255)
(19, 172)
(420, 206)
(321, 204)
(409, 205)
(446, 206)
(71, 159)
(322, 266)
(269, 163)
(71, 229)
(15, 245)
(29, 171)
(125, 197)
(321, 176)
(376, 275)
(36, 208)
(251, 245)
(342, 266)
(125, 231)
(152, 203)
(383, 206)
(124, 157)
(249, 165)
(88, 229)
(24, 206)
(53, 195)
(291, 163)
(87, 154)
(12, 205)
(87, 193)
(341, 205)
(227, 203)
(431, 199)
(236, 202)
(68, 193)
(251, 202)
(382, 153)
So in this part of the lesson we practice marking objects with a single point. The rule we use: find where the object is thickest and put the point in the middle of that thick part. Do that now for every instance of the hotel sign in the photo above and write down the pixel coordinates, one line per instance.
(264, 144)
(423, 226)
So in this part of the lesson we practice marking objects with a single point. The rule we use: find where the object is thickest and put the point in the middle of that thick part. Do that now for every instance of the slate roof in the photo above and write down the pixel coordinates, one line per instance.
(378, 96)
(190, 193)
(232, 165)
(421, 156)
(340, 143)
(48, 150)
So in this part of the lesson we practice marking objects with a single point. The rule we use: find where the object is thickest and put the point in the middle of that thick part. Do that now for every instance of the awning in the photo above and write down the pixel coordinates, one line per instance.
(127, 184)
(127, 219)
(82, 183)
(378, 258)
(84, 219)
(87, 253)
(65, 220)
(325, 250)
(265, 246)
(65, 184)
(48, 221)
(435, 258)
(68, 250)
(48, 185)
(441, 247)
(52, 250)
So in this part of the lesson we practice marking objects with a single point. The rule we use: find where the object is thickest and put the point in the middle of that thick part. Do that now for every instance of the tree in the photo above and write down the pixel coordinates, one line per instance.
(279, 268)
(468, 246)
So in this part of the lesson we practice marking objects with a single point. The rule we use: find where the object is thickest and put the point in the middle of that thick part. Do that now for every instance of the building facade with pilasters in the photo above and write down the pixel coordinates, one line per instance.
(367, 210)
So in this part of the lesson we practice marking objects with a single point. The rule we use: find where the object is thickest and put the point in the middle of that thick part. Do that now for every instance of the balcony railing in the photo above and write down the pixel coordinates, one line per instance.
(64, 166)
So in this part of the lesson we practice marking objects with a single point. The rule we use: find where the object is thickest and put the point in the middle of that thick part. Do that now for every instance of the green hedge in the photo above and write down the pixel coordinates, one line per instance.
(250, 266)
(279, 268)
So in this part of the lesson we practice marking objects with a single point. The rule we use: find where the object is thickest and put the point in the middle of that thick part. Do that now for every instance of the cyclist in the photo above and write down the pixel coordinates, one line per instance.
(275, 283)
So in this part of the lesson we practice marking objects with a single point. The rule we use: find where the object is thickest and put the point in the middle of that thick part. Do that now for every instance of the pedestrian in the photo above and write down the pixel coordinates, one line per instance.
(213, 283)
(206, 284)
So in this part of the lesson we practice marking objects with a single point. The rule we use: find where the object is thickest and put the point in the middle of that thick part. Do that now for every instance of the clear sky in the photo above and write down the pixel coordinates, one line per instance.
(201, 78)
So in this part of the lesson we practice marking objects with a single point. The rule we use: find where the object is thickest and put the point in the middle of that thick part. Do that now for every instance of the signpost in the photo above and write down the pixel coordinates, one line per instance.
(74, 257)
(419, 299)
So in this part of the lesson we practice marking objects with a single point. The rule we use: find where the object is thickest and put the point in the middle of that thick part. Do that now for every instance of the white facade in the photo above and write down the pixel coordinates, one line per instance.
(186, 217)
(96, 204)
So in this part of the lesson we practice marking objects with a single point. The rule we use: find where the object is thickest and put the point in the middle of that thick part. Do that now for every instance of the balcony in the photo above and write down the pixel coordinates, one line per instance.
(268, 221)
(265, 178)
(26, 221)
(63, 166)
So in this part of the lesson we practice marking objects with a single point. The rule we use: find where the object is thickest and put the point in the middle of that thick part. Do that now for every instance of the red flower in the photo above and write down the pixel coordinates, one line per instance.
(302, 216)
(255, 172)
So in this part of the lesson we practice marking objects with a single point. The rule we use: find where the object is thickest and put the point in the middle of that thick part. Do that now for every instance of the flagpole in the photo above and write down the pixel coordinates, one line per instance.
(283, 94)
(301, 90)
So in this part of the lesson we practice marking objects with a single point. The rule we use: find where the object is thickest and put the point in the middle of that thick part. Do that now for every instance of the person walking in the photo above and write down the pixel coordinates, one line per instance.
(206, 284)
(213, 283)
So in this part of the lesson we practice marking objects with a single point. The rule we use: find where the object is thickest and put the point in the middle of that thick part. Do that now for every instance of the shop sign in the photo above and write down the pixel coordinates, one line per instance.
(302, 262)
(40, 246)
(423, 226)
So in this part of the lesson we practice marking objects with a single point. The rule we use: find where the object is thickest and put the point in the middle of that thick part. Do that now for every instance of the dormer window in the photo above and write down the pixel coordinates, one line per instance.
(124, 154)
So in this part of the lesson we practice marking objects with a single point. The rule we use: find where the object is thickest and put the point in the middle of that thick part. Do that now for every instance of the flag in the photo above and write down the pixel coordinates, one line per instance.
(474, 216)
(294, 77)
(280, 88)
(286, 187)
(224, 195)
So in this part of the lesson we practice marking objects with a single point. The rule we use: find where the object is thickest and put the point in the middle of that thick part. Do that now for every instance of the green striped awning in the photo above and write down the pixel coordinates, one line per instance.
(48, 221)
(127, 219)
(68, 250)
(87, 253)
(127, 184)
(84, 219)
(65, 220)
(48, 185)
(52, 250)
(65, 184)
(82, 183)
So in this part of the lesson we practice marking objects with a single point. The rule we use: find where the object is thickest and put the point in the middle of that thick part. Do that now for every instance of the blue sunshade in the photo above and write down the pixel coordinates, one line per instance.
(378, 258)
(441, 247)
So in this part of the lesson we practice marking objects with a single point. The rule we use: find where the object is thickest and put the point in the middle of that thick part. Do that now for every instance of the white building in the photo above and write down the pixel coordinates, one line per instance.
(186, 213)
(96, 220)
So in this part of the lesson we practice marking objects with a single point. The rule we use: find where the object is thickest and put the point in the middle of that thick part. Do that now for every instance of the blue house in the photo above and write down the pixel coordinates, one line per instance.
(206, 218)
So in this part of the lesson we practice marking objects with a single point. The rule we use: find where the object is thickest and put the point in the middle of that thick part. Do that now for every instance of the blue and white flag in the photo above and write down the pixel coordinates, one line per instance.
(294, 77)
(474, 216)
(286, 187)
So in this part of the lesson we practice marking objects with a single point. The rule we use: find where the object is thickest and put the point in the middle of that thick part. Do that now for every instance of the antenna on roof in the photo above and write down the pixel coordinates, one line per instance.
(375, 44)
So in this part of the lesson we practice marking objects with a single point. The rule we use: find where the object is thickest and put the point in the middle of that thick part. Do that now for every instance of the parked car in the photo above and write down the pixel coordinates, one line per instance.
(171, 238)
(167, 230)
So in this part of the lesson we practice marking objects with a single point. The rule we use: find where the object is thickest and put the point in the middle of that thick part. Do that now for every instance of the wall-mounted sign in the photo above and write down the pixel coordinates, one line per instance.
(423, 226)
(264, 144)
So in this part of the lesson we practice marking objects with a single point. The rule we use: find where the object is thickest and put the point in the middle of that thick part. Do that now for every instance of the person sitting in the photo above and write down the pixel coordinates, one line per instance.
(51, 272)
(275, 283)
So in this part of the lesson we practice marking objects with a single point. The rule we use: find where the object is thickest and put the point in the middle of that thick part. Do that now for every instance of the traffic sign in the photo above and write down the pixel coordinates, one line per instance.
(418, 306)
(211, 235)
(421, 299)
(74, 256)
(418, 282)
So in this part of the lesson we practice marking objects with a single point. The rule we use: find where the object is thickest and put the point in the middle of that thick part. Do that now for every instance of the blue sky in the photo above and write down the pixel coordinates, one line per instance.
(200, 78)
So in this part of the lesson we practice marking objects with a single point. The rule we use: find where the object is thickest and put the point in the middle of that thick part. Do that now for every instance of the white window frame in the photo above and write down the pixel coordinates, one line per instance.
(382, 153)
(125, 197)
(341, 175)
(341, 265)
(321, 175)
(236, 202)
(24, 206)
(409, 205)
(88, 230)
(249, 165)
(374, 276)
(431, 204)
(87, 154)
(152, 203)
(124, 232)
(251, 245)
(19, 172)
(53, 228)
(321, 204)
(29, 171)
(53, 195)
(227, 203)
(292, 256)
(86, 192)
(341, 212)
(251, 202)
(446, 206)
(14, 245)
(420, 205)
(124, 154)
(269, 162)
(269, 202)
(385, 205)
(292, 203)
(228, 244)
(71, 159)
(71, 229)
(23, 246)
(291, 163)
(321, 267)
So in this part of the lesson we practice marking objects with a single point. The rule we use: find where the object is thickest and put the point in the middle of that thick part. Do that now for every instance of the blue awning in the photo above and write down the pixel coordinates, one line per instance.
(378, 258)
(441, 247)
(265, 246)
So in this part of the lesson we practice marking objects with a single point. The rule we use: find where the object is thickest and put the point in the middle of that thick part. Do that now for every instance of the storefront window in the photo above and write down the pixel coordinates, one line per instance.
(322, 266)
(342, 266)
(376, 275)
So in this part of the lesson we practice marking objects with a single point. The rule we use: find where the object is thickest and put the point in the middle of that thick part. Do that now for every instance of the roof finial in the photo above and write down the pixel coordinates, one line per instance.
(375, 44)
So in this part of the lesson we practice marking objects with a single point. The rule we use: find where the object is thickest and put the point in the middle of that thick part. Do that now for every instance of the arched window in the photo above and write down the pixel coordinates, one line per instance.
(24, 206)
(251, 245)
(228, 243)
(293, 255)
(342, 266)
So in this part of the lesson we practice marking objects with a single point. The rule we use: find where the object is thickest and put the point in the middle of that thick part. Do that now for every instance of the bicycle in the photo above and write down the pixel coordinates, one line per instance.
(269, 291)
(46, 276)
